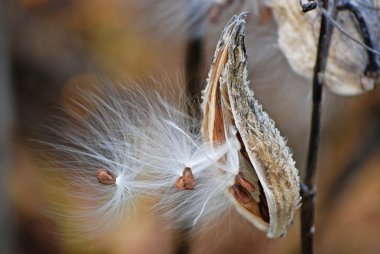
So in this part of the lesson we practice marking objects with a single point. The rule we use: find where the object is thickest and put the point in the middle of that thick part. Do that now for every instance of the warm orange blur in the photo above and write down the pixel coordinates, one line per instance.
(58, 46)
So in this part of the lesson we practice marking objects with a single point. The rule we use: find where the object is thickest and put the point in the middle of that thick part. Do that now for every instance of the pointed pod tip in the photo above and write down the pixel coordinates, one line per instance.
(243, 15)
(238, 18)
(235, 26)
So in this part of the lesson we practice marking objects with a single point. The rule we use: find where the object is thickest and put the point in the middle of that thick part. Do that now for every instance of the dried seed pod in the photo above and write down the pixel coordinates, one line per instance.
(266, 189)
(349, 70)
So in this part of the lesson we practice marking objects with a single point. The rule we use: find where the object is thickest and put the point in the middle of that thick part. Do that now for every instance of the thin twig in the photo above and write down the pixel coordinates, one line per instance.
(373, 68)
(308, 187)
(341, 29)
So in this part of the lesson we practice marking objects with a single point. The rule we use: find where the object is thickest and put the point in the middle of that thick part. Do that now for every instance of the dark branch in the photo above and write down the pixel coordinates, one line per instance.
(308, 187)
(373, 68)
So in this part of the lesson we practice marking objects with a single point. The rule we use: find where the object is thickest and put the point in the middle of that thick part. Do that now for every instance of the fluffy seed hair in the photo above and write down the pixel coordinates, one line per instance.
(118, 146)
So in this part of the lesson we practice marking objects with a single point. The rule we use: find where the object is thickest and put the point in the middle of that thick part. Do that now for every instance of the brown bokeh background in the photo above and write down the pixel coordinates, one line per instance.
(51, 49)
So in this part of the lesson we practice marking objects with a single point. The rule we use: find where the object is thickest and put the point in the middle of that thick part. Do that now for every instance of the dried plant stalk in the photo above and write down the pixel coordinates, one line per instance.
(308, 187)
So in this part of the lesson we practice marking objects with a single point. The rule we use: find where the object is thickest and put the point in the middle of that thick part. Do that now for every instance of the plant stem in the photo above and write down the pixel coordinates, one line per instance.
(308, 187)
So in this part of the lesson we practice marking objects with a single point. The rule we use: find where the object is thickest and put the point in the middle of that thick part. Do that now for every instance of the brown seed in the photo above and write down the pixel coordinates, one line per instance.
(245, 183)
(186, 181)
(105, 177)
(241, 194)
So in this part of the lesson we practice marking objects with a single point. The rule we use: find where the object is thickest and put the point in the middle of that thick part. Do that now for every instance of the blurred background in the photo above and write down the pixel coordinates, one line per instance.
(50, 50)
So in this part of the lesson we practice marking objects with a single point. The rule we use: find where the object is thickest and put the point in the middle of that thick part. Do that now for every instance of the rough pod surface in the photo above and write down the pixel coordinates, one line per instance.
(266, 187)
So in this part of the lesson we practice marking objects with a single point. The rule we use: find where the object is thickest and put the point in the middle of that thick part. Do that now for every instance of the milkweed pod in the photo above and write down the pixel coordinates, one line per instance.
(347, 70)
(266, 188)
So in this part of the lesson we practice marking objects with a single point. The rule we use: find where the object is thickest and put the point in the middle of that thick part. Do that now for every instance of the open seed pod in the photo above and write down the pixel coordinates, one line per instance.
(266, 187)
(350, 70)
